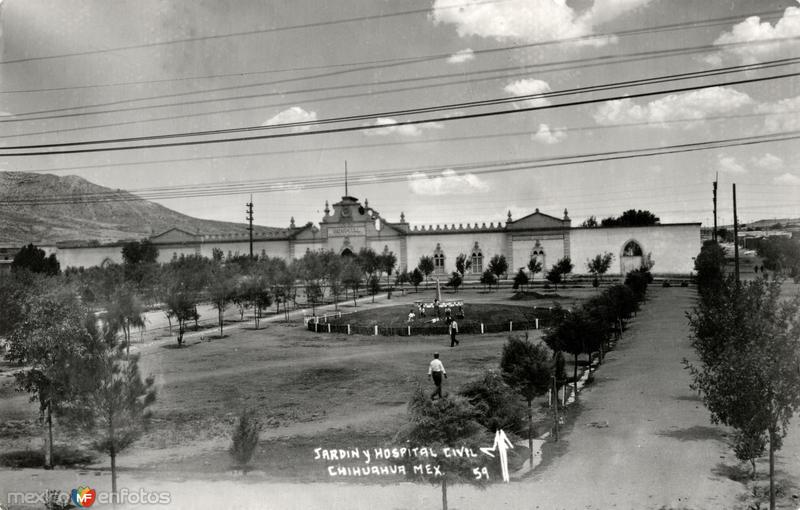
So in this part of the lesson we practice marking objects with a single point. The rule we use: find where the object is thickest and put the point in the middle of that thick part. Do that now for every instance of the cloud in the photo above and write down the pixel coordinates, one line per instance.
(695, 105)
(447, 183)
(729, 165)
(290, 116)
(404, 130)
(787, 179)
(768, 162)
(462, 56)
(545, 135)
(784, 114)
(747, 38)
(530, 20)
(529, 87)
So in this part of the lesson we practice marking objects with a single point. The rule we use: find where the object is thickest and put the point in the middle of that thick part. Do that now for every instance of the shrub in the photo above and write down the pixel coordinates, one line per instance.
(245, 437)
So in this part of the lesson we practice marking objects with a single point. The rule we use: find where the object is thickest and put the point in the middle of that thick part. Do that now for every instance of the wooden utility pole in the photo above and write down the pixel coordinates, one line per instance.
(250, 224)
(735, 236)
(714, 235)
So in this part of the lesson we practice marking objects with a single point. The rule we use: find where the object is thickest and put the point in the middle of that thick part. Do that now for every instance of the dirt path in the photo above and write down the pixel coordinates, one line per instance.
(657, 449)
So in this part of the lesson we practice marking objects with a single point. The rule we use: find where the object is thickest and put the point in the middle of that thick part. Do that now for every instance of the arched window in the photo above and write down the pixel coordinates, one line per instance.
(477, 262)
(538, 254)
(438, 260)
(632, 249)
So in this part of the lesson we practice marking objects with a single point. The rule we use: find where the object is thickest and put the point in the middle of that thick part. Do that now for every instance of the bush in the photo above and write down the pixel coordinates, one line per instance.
(245, 437)
(666, 284)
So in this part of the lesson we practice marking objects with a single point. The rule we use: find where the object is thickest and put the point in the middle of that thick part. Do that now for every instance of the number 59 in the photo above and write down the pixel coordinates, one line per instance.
(480, 473)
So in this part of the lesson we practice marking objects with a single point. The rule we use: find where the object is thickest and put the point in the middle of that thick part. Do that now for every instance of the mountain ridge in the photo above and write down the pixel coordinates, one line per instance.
(82, 217)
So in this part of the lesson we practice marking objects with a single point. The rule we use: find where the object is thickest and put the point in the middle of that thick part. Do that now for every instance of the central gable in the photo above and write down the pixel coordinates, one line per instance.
(174, 235)
(539, 221)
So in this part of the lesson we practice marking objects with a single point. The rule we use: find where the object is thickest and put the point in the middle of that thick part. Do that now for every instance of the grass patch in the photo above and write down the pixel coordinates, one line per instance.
(62, 456)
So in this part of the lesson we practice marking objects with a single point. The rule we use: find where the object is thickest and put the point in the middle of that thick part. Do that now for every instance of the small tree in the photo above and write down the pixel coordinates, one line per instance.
(534, 266)
(599, 265)
(425, 266)
(387, 262)
(416, 278)
(521, 279)
(374, 285)
(498, 265)
(114, 400)
(244, 439)
(402, 278)
(488, 278)
(554, 276)
(125, 311)
(455, 281)
(527, 368)
(576, 333)
(48, 343)
(463, 263)
(351, 278)
(436, 425)
(221, 290)
(748, 446)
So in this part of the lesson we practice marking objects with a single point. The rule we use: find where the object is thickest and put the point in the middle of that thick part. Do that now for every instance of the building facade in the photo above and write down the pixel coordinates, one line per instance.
(349, 225)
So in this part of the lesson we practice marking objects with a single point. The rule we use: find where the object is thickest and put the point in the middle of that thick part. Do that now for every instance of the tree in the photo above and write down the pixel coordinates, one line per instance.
(374, 285)
(368, 260)
(748, 374)
(124, 311)
(387, 262)
(245, 437)
(402, 278)
(498, 265)
(351, 278)
(425, 266)
(455, 280)
(576, 333)
(139, 252)
(528, 368)
(34, 260)
(416, 278)
(113, 399)
(221, 290)
(631, 218)
(521, 279)
(638, 280)
(48, 343)
(437, 425)
(463, 263)
(710, 267)
(590, 222)
(554, 276)
(488, 278)
(599, 265)
(534, 266)
(498, 407)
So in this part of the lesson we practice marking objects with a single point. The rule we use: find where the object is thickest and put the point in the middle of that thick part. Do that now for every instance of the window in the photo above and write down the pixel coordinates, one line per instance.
(438, 260)
(477, 262)
(632, 249)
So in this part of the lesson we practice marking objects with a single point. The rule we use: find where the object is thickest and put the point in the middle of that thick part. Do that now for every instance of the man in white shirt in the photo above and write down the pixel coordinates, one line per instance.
(453, 331)
(436, 371)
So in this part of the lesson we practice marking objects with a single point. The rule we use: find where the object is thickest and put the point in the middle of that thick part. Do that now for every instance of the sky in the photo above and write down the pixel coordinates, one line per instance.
(94, 71)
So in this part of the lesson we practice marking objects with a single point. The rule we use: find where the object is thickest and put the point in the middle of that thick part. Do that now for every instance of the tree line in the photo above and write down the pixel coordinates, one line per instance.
(746, 336)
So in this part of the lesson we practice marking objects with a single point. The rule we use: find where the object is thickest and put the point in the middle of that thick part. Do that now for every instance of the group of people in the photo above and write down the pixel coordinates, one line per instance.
(452, 325)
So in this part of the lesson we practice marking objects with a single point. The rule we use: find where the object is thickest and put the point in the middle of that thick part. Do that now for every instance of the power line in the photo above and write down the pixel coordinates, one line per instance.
(352, 118)
(394, 175)
(240, 34)
(577, 64)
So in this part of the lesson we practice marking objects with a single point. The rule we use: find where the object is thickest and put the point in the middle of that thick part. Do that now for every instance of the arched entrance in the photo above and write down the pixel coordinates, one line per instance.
(631, 257)
(347, 252)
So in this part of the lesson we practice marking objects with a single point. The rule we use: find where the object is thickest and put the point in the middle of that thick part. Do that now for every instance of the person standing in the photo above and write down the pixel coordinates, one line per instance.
(436, 307)
(453, 331)
(436, 371)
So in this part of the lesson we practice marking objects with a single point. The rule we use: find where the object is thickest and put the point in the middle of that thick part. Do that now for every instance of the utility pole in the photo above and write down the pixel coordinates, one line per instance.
(345, 179)
(250, 224)
(735, 236)
(555, 408)
(714, 235)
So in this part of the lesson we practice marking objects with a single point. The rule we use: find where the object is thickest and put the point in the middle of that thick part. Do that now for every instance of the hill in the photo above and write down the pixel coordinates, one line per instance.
(76, 214)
